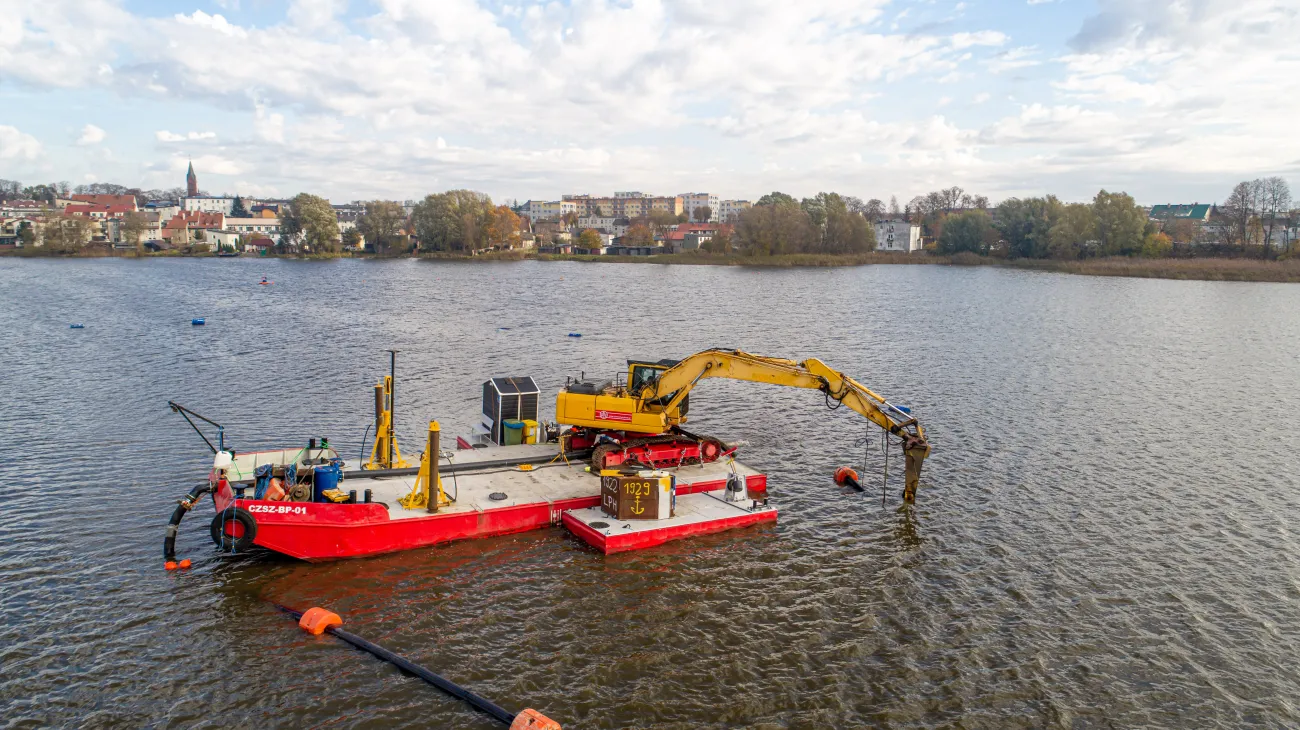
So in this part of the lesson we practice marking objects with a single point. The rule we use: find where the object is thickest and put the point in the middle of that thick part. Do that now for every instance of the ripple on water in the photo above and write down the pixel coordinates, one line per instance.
(1105, 535)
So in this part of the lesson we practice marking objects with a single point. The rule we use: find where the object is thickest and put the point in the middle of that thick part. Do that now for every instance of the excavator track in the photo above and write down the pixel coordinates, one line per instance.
(706, 448)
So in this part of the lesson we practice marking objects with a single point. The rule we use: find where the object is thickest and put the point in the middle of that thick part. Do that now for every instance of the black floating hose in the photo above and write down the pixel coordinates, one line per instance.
(446, 685)
(174, 525)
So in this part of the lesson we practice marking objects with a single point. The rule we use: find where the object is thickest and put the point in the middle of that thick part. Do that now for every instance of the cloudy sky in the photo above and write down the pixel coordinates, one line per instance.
(1171, 100)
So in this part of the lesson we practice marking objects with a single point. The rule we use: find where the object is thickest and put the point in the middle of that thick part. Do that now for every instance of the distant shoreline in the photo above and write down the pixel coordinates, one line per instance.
(1191, 269)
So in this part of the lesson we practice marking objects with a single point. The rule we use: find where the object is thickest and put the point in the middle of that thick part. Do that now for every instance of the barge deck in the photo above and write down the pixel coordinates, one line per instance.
(487, 500)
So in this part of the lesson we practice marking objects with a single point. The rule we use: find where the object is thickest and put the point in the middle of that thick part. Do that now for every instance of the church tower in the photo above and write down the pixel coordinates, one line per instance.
(191, 182)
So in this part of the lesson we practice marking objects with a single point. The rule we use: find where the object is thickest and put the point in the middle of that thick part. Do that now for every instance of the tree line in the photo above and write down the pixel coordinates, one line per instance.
(825, 223)
(47, 193)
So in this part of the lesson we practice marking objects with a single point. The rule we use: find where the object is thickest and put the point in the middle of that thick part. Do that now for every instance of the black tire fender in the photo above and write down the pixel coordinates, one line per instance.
(228, 543)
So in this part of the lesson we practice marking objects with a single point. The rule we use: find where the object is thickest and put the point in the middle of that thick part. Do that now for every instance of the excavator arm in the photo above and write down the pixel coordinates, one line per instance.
(678, 380)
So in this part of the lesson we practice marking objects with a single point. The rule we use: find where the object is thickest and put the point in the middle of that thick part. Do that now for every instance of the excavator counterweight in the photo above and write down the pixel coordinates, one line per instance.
(641, 420)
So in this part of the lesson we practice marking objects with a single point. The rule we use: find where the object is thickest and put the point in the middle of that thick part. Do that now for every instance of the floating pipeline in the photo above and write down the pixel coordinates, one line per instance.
(174, 526)
(317, 621)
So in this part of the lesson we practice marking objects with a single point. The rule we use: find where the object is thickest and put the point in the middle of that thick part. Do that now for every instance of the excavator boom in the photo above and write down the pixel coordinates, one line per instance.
(654, 402)
(812, 373)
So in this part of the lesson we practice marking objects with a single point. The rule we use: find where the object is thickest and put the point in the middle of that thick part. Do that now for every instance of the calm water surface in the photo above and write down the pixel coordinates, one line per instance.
(1105, 536)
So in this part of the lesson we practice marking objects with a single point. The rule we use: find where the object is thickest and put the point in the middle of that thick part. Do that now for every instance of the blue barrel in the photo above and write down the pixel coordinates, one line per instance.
(198, 321)
(326, 477)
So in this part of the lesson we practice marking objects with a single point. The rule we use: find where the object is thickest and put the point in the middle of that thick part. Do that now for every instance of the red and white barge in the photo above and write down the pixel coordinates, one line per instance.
(488, 496)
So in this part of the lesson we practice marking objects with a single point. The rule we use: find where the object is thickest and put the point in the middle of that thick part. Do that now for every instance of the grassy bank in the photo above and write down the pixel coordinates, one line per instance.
(1203, 269)
(1197, 269)
(780, 261)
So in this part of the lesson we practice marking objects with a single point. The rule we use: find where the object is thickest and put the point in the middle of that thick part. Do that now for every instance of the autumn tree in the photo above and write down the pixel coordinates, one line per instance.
(1026, 225)
(352, 238)
(1074, 232)
(840, 229)
(503, 227)
(381, 223)
(777, 198)
(134, 226)
(311, 219)
(720, 242)
(1121, 223)
(970, 231)
(1239, 210)
(639, 235)
(775, 228)
(456, 220)
(1274, 207)
(873, 210)
(589, 239)
(67, 234)
(703, 214)
(660, 221)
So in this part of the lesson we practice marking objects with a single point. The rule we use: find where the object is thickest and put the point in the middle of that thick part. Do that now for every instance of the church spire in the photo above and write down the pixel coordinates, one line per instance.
(191, 182)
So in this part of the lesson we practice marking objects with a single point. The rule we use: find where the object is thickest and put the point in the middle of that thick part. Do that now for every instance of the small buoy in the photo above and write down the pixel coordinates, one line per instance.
(317, 621)
(198, 321)
(170, 565)
(184, 563)
(77, 326)
(847, 477)
(575, 334)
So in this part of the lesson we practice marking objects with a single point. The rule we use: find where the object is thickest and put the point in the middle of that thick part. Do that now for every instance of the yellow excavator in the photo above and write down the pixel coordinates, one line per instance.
(640, 421)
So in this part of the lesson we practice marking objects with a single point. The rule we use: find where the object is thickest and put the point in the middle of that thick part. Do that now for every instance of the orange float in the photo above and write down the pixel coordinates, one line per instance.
(317, 621)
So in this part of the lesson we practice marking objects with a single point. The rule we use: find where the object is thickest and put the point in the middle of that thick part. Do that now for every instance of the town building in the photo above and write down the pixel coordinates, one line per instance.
(247, 226)
(208, 204)
(118, 236)
(222, 240)
(896, 234)
(543, 210)
(730, 210)
(117, 201)
(1195, 212)
(693, 201)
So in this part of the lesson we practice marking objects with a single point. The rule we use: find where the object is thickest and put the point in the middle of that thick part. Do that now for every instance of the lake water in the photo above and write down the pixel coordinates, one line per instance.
(1106, 533)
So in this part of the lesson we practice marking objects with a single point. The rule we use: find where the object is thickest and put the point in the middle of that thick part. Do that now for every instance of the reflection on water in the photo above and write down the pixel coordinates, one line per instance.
(1104, 535)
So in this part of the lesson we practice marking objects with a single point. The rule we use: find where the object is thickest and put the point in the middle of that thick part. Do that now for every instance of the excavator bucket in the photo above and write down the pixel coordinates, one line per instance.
(916, 450)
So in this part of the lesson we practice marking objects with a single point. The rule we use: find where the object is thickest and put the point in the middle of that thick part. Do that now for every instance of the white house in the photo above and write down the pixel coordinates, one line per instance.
(269, 227)
(208, 204)
(223, 239)
(897, 235)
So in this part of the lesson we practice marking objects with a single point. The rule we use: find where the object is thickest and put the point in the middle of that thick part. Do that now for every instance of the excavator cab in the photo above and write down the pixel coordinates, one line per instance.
(642, 374)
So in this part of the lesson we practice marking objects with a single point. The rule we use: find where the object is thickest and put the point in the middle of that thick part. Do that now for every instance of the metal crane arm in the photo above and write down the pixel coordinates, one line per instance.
(678, 380)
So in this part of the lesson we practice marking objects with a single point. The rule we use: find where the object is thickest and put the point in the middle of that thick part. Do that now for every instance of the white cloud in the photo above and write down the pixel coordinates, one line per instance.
(217, 23)
(17, 145)
(90, 134)
(163, 135)
(980, 38)
(675, 92)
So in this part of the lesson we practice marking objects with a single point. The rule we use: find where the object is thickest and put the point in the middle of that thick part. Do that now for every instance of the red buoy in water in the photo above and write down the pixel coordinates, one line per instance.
(847, 477)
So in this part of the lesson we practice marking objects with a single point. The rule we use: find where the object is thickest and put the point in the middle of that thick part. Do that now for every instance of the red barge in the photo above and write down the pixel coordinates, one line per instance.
(617, 470)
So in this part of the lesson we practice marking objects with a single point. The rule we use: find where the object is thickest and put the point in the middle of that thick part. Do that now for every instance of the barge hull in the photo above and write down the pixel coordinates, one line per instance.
(529, 500)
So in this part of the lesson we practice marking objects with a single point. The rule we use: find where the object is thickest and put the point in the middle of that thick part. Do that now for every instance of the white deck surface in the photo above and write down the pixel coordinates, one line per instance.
(691, 508)
(544, 483)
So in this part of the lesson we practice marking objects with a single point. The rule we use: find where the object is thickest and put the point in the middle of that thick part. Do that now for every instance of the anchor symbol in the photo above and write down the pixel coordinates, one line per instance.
(636, 506)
